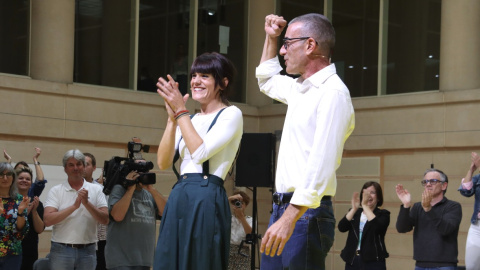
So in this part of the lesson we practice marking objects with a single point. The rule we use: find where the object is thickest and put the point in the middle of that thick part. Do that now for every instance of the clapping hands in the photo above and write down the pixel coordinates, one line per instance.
(403, 195)
(355, 201)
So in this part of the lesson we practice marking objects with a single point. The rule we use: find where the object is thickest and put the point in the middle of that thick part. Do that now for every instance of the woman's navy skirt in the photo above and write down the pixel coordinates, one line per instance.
(195, 227)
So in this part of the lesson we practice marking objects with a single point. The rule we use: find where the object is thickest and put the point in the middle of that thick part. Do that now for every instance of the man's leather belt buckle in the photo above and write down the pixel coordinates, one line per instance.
(281, 198)
(276, 199)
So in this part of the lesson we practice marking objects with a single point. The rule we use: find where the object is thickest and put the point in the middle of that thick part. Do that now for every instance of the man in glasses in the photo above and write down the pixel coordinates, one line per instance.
(320, 118)
(435, 221)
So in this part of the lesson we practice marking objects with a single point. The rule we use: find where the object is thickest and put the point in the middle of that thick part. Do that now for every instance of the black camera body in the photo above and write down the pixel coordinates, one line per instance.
(116, 170)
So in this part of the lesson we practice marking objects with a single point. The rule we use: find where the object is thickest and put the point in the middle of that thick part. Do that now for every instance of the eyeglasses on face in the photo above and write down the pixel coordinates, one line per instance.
(431, 181)
(8, 174)
(288, 41)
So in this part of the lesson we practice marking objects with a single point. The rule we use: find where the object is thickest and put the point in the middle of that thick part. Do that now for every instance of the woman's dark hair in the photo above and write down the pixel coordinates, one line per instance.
(23, 163)
(378, 190)
(220, 67)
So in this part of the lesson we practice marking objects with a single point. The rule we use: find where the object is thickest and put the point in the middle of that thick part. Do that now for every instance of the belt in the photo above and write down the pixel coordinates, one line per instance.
(75, 245)
(283, 198)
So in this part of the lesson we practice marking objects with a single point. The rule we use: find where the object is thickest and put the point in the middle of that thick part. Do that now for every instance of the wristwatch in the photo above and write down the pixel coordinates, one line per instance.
(21, 214)
(36, 163)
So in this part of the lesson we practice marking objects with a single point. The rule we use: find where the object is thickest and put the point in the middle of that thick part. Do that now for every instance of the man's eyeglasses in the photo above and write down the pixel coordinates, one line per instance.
(286, 42)
(8, 174)
(431, 181)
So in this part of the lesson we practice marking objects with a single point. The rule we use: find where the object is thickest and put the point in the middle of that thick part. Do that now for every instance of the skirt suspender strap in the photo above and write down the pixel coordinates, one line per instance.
(205, 165)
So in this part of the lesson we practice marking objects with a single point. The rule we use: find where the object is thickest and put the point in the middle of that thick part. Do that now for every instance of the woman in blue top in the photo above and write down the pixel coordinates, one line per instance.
(471, 186)
(195, 227)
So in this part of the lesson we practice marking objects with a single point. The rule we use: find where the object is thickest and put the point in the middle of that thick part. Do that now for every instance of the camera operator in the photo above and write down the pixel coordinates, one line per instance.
(133, 209)
(241, 226)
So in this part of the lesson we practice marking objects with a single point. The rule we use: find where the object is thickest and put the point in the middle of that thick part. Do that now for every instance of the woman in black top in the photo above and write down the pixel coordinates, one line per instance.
(366, 227)
(35, 219)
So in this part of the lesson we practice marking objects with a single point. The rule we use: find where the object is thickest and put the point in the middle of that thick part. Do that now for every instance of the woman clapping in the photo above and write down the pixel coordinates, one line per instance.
(195, 228)
(366, 227)
(13, 219)
(35, 219)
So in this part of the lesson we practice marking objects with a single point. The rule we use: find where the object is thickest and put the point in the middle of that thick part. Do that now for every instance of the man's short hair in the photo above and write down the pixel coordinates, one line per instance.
(443, 176)
(320, 28)
(76, 154)
(92, 157)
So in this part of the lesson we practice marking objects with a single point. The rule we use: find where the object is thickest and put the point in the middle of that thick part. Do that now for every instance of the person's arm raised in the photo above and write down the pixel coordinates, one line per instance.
(274, 26)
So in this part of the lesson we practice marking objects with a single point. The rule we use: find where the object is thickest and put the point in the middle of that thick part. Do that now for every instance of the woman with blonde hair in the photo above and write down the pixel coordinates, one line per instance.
(35, 219)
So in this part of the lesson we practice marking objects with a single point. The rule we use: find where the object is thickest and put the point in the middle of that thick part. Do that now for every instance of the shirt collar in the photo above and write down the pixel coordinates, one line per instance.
(66, 185)
(321, 76)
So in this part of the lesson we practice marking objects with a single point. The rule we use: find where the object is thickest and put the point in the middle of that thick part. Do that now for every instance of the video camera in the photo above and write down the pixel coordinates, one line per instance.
(116, 169)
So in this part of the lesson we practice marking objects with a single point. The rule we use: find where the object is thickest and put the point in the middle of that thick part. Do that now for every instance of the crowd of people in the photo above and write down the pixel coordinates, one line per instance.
(198, 230)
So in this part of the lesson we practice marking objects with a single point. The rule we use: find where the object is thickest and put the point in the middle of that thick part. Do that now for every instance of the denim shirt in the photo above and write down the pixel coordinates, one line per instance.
(468, 193)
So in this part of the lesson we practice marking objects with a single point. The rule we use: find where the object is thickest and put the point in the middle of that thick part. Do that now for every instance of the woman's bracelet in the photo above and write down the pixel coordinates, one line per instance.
(179, 113)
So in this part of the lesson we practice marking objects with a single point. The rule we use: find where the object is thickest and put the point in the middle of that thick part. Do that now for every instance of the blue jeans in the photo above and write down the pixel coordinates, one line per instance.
(12, 262)
(310, 241)
(63, 257)
(436, 268)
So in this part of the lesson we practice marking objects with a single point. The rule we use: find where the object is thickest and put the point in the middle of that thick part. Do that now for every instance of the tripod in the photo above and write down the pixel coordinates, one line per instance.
(252, 238)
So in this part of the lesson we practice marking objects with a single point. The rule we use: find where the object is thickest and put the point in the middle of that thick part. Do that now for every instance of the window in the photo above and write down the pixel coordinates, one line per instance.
(413, 61)
(108, 53)
(103, 43)
(221, 28)
(356, 50)
(14, 37)
(410, 43)
(163, 43)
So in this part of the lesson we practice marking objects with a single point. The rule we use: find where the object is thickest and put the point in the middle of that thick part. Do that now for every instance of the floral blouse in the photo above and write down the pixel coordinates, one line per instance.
(11, 243)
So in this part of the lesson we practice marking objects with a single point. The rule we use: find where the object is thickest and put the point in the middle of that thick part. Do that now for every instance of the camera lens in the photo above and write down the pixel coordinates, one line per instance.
(238, 204)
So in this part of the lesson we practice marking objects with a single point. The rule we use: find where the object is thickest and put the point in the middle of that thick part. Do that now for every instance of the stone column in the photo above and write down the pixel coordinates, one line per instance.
(460, 45)
(52, 40)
